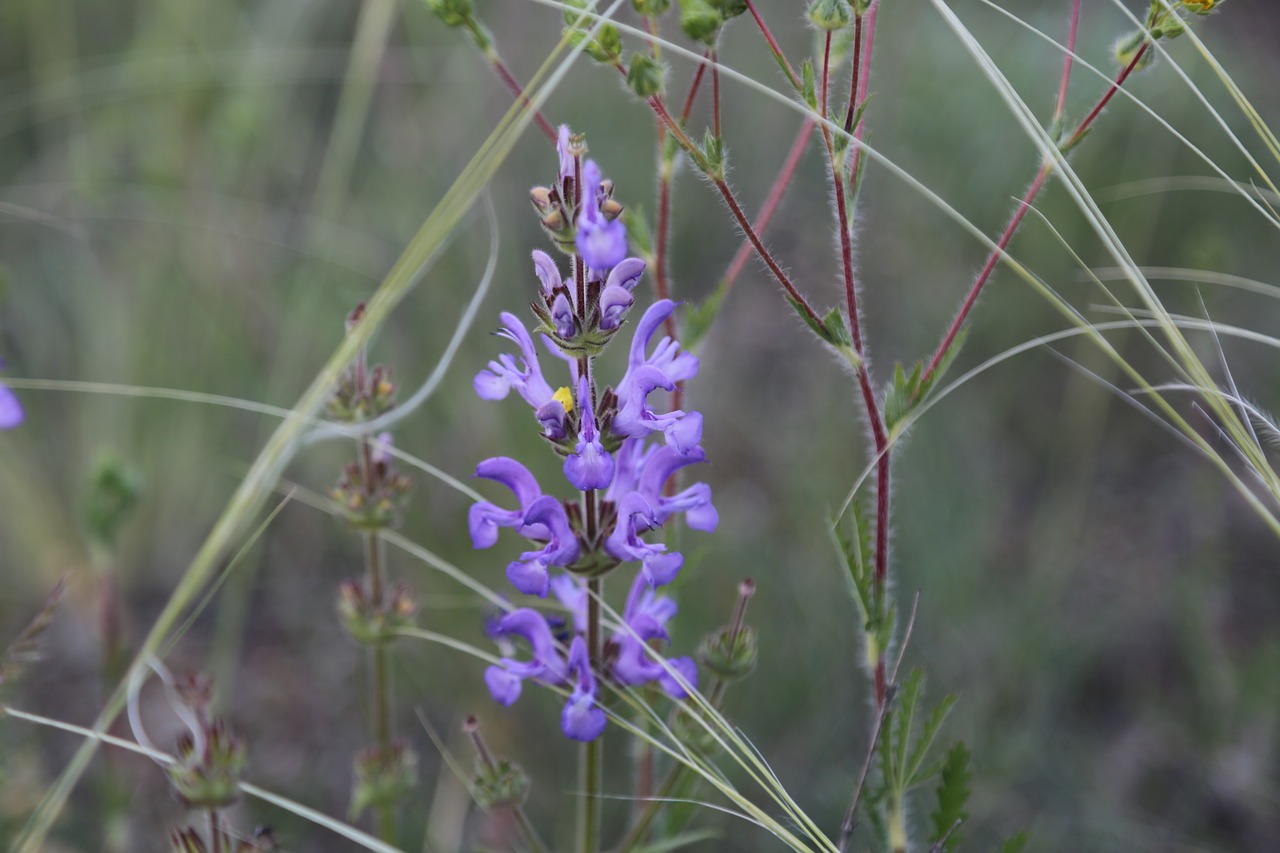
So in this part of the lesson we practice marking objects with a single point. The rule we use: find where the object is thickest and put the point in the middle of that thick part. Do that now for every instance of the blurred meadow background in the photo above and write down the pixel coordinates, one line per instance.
(194, 195)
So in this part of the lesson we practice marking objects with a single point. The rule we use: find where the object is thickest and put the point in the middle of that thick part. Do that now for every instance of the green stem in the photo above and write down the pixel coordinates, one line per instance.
(592, 755)
(380, 679)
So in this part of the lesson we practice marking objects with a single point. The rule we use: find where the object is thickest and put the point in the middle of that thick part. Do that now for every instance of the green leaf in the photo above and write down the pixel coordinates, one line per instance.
(953, 796)
(808, 85)
(900, 727)
(810, 321)
(1014, 844)
(713, 154)
(927, 736)
(837, 332)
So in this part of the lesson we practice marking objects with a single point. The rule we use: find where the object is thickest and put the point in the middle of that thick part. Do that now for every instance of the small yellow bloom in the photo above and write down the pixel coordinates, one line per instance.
(1200, 7)
(565, 396)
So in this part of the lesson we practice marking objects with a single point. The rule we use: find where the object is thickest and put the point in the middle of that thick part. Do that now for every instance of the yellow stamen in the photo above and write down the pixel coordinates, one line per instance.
(565, 396)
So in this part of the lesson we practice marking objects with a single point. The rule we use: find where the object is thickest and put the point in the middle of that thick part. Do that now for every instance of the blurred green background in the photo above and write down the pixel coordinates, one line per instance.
(187, 202)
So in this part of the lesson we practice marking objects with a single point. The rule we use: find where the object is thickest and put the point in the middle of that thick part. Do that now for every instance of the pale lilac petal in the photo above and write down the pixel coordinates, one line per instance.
(503, 686)
(688, 671)
(547, 271)
(626, 274)
(614, 302)
(530, 577)
(10, 409)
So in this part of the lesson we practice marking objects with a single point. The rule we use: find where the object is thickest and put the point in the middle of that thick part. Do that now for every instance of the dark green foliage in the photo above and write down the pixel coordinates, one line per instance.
(953, 796)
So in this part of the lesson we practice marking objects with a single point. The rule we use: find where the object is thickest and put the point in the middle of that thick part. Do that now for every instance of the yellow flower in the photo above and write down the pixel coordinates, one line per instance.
(1200, 7)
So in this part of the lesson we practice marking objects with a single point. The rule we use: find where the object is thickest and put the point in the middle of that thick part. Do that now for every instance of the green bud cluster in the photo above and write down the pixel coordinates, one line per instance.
(503, 784)
(382, 777)
(209, 777)
(645, 76)
(372, 623)
(729, 654)
(700, 21)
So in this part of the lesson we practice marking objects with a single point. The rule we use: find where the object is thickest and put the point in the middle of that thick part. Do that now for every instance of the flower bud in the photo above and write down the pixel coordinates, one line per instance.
(645, 75)
(699, 21)
(453, 13)
(541, 198)
(690, 731)
(605, 47)
(383, 776)
(503, 784)
(109, 497)
(729, 654)
(1127, 48)
(829, 14)
(1170, 28)
(1200, 7)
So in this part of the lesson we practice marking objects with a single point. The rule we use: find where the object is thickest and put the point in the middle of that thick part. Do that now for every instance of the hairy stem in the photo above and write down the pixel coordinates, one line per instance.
(517, 90)
(773, 44)
(1023, 206)
(592, 756)
(379, 676)
(530, 832)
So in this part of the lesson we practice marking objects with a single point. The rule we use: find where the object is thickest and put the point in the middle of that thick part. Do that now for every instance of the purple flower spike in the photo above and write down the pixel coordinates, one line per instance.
(646, 374)
(10, 409)
(562, 149)
(548, 272)
(544, 519)
(677, 366)
(635, 516)
(504, 374)
(485, 518)
(601, 243)
(646, 616)
(505, 681)
(694, 501)
(590, 467)
(583, 719)
(631, 459)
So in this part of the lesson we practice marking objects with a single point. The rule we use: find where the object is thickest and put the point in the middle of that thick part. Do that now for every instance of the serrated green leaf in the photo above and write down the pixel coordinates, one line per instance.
(953, 795)
(809, 321)
(1014, 844)
(808, 85)
(927, 736)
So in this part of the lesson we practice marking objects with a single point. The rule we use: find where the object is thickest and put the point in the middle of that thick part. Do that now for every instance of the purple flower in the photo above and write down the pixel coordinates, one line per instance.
(504, 374)
(552, 417)
(506, 680)
(601, 243)
(10, 409)
(582, 719)
(590, 467)
(485, 518)
(694, 502)
(562, 149)
(645, 374)
(573, 595)
(616, 297)
(546, 520)
(562, 316)
(547, 271)
(636, 516)
(646, 616)
(631, 458)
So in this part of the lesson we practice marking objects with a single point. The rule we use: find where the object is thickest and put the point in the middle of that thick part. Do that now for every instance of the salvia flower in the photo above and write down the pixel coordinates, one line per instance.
(618, 452)
(601, 242)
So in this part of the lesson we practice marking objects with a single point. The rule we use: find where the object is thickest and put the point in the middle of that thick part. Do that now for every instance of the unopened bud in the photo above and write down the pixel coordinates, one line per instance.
(830, 14)
(645, 75)
(699, 21)
(541, 198)
(1170, 28)
(729, 9)
(370, 623)
(1128, 48)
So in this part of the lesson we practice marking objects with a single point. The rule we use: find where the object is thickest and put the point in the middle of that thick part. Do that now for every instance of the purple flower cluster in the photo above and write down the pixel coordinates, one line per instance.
(619, 453)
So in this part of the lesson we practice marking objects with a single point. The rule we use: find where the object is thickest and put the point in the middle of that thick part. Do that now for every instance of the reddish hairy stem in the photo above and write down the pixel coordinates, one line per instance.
(1066, 64)
(826, 71)
(863, 70)
(853, 83)
(516, 89)
(693, 88)
(773, 44)
(989, 267)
